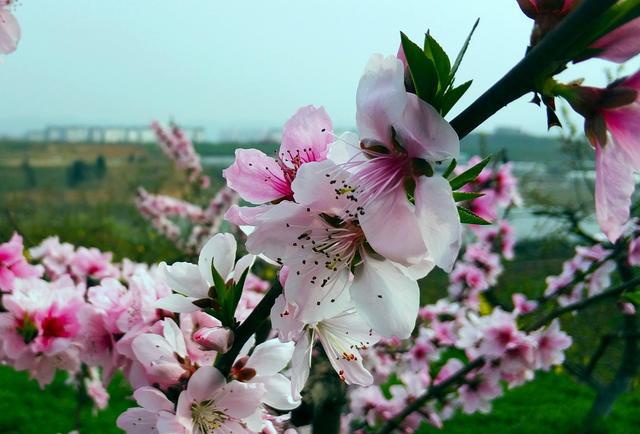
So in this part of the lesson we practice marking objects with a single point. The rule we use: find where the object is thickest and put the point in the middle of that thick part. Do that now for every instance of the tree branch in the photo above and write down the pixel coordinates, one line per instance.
(613, 292)
(244, 331)
(540, 62)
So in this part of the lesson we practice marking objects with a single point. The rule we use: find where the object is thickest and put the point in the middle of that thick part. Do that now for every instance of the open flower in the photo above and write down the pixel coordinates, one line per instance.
(319, 239)
(401, 139)
(342, 336)
(144, 419)
(260, 179)
(13, 263)
(211, 405)
(192, 282)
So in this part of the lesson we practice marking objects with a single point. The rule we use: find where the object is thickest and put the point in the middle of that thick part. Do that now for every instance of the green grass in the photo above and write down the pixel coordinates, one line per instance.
(553, 403)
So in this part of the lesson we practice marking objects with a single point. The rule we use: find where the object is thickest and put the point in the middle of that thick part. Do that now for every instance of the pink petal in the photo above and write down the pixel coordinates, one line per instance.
(205, 382)
(381, 97)
(306, 135)
(401, 246)
(624, 125)
(138, 421)
(439, 220)
(9, 32)
(239, 399)
(622, 44)
(256, 177)
(152, 399)
(614, 186)
(425, 134)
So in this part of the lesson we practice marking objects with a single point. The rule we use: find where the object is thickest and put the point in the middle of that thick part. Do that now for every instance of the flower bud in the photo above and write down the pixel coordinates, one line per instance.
(214, 338)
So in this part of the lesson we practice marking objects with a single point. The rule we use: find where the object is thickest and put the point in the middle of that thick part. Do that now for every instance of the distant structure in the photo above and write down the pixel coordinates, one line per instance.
(93, 134)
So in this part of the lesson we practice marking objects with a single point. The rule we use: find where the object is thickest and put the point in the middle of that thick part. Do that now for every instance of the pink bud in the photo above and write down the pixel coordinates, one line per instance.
(628, 308)
(214, 338)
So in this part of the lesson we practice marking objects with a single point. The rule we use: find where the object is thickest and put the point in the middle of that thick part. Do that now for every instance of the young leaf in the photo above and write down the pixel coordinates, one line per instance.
(237, 290)
(471, 218)
(452, 96)
(469, 174)
(434, 51)
(633, 297)
(220, 287)
(450, 168)
(423, 71)
(462, 52)
(460, 196)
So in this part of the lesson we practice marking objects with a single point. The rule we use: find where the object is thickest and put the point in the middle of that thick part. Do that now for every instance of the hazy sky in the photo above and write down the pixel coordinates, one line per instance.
(237, 64)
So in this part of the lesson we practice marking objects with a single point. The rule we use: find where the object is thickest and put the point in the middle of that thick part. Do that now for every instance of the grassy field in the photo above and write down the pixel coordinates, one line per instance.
(38, 198)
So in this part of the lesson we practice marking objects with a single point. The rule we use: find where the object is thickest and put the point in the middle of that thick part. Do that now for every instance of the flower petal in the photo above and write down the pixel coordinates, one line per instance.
(184, 278)
(270, 357)
(381, 98)
(301, 363)
(221, 249)
(239, 399)
(425, 134)
(9, 32)
(177, 303)
(401, 246)
(439, 220)
(205, 382)
(278, 391)
(614, 186)
(256, 177)
(385, 297)
(306, 135)
(152, 399)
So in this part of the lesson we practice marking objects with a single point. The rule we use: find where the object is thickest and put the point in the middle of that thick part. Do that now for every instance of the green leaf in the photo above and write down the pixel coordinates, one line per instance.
(633, 297)
(469, 174)
(450, 168)
(439, 57)
(471, 218)
(223, 297)
(452, 96)
(423, 71)
(460, 196)
(462, 52)
(237, 289)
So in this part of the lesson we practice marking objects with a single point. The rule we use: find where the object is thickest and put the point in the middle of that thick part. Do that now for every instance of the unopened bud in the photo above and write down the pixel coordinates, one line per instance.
(214, 338)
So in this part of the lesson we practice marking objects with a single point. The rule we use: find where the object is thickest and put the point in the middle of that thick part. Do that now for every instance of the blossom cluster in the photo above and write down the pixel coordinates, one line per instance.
(184, 223)
(449, 337)
(79, 312)
(176, 145)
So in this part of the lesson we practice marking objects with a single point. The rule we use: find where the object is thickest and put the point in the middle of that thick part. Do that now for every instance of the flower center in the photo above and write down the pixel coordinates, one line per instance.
(206, 417)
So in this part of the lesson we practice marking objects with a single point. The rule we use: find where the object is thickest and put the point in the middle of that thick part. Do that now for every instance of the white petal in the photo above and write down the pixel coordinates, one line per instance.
(221, 249)
(184, 278)
(270, 357)
(301, 363)
(315, 186)
(386, 298)
(177, 303)
(242, 265)
(381, 97)
(345, 149)
(174, 337)
(278, 393)
(439, 220)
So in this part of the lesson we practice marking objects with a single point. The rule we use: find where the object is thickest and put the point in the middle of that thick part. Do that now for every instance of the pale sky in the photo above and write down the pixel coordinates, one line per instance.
(239, 64)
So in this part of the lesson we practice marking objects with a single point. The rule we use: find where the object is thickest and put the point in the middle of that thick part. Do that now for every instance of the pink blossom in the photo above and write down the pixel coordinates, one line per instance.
(621, 44)
(96, 390)
(522, 305)
(9, 29)
(217, 339)
(318, 238)
(261, 179)
(144, 419)
(634, 252)
(178, 147)
(54, 255)
(210, 404)
(13, 264)
(92, 263)
(400, 136)
(477, 394)
(551, 344)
